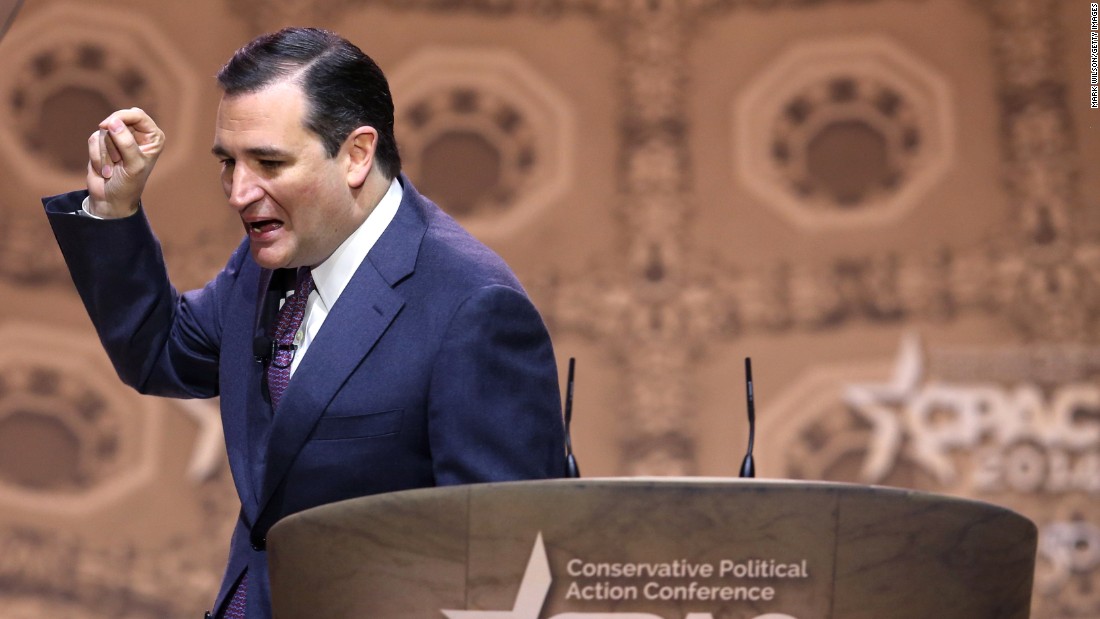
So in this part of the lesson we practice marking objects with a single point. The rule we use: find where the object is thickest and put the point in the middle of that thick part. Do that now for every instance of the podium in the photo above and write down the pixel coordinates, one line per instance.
(640, 548)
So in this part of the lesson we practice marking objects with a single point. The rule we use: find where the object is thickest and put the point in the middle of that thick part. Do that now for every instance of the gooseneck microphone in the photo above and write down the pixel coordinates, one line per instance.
(571, 469)
(748, 468)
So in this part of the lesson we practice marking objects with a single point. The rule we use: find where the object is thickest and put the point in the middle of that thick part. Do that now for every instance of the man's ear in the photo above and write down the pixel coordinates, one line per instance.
(362, 144)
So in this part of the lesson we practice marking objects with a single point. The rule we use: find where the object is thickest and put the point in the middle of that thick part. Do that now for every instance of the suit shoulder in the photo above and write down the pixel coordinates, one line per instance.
(451, 251)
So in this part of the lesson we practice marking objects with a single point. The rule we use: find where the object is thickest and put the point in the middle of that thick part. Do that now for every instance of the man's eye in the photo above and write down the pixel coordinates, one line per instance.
(270, 164)
(227, 163)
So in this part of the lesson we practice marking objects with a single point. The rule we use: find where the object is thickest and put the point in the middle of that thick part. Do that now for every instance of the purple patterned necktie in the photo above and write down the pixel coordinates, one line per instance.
(287, 324)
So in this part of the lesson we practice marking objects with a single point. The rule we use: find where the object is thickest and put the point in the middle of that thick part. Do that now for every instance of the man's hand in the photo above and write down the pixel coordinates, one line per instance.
(121, 155)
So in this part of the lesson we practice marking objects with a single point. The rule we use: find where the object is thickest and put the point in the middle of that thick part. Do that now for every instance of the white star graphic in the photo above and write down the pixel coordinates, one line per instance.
(876, 402)
(531, 595)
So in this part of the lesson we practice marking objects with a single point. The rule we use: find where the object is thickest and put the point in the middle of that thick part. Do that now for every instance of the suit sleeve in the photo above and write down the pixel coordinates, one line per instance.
(159, 342)
(494, 406)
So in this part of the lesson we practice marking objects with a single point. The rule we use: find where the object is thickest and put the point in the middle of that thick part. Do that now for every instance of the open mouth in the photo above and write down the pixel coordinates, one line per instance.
(264, 226)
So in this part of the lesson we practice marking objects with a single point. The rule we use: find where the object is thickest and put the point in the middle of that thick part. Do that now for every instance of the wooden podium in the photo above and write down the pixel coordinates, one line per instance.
(638, 548)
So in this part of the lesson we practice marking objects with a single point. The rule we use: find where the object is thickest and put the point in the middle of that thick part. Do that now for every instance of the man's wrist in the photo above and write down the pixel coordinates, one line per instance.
(86, 208)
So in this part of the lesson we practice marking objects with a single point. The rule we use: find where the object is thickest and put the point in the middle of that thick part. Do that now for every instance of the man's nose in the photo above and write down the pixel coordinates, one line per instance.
(243, 188)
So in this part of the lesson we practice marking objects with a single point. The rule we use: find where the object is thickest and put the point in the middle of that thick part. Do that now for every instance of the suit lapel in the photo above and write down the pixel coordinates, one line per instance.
(272, 288)
(243, 402)
(360, 317)
(362, 314)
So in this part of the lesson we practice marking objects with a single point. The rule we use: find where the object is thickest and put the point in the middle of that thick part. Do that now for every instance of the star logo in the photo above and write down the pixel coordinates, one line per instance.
(532, 591)
(878, 403)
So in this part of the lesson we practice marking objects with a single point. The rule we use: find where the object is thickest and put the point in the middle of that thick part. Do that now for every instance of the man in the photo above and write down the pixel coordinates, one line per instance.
(418, 360)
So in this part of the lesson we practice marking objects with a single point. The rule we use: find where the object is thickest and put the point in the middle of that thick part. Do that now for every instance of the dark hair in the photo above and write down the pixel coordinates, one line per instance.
(344, 87)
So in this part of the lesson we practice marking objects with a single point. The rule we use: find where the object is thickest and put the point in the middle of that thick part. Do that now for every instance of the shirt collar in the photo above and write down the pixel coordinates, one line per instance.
(332, 276)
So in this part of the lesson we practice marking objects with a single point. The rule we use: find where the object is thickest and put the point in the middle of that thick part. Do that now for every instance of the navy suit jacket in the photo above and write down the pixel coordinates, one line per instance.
(432, 368)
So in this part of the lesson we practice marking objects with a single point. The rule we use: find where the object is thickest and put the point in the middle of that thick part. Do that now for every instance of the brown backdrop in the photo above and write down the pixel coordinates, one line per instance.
(887, 204)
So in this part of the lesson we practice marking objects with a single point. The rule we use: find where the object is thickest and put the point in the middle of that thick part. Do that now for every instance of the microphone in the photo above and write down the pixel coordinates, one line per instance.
(748, 468)
(263, 348)
(572, 471)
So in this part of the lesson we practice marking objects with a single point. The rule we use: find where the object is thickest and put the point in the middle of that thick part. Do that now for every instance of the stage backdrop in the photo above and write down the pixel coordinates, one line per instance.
(887, 204)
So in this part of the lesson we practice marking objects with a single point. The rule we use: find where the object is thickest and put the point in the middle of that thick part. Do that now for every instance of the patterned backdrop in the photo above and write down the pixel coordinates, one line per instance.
(886, 203)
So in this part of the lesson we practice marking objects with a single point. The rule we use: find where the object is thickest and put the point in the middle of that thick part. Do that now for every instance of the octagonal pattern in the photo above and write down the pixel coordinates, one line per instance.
(843, 133)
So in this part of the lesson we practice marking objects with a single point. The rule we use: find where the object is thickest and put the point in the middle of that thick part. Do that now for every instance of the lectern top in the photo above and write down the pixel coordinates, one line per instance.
(655, 548)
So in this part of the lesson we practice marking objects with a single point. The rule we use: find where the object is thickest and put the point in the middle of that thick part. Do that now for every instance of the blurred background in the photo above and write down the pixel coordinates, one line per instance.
(887, 204)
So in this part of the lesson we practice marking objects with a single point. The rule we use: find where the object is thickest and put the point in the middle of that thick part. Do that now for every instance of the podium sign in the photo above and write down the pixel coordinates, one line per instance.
(691, 548)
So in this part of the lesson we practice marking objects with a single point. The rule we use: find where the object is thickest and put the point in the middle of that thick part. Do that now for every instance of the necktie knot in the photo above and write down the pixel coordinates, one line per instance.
(304, 278)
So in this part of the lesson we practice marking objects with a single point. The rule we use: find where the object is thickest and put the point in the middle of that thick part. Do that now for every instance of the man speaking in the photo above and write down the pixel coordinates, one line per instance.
(360, 340)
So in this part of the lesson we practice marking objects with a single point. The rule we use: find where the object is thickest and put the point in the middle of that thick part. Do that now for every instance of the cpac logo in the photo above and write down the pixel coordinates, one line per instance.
(1021, 439)
(535, 586)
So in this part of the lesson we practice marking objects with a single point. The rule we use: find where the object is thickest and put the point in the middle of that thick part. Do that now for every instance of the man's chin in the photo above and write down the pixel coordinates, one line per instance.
(269, 259)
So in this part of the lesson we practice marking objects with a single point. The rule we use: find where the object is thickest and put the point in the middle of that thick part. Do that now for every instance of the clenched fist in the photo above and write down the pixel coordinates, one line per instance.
(121, 155)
